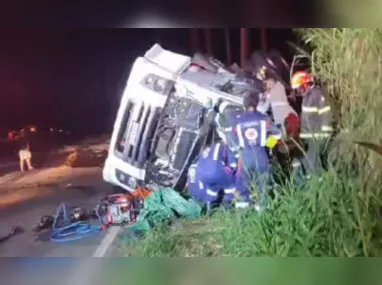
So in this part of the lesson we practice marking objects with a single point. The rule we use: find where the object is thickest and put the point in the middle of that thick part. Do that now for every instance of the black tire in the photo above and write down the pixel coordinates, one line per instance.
(118, 190)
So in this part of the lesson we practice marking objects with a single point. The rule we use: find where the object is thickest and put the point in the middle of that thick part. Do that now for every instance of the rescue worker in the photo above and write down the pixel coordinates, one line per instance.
(25, 157)
(275, 98)
(254, 132)
(316, 122)
(286, 118)
(212, 176)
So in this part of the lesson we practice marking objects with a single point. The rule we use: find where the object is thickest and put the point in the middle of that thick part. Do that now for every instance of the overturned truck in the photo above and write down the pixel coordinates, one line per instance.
(162, 123)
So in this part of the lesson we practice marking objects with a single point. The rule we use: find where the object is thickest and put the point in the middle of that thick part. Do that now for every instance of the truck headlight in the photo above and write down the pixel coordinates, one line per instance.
(157, 83)
(132, 182)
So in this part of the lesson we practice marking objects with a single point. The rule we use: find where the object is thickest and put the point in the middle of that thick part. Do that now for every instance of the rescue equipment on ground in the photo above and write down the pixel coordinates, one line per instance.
(76, 214)
(119, 209)
(68, 226)
(164, 205)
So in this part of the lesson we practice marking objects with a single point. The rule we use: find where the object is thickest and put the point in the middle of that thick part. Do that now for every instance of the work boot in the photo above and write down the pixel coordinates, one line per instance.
(209, 208)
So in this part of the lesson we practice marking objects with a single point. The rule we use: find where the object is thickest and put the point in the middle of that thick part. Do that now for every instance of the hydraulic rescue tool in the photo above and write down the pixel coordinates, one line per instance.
(119, 209)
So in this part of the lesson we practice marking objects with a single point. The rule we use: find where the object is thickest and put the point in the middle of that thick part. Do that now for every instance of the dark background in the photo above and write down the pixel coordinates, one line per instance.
(74, 78)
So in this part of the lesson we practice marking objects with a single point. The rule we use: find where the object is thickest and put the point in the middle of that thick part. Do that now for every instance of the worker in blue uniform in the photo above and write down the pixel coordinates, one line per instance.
(254, 133)
(213, 175)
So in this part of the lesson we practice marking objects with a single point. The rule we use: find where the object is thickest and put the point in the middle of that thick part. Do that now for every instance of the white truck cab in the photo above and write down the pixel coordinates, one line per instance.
(161, 124)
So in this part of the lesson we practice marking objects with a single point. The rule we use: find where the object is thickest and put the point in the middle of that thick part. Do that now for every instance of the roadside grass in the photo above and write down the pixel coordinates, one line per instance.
(337, 214)
(328, 217)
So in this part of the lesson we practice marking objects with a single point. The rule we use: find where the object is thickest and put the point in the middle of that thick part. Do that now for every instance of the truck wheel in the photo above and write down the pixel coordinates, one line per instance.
(118, 190)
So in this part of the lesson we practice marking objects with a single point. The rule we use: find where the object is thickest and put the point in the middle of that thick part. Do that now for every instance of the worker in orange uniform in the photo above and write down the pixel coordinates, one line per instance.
(316, 122)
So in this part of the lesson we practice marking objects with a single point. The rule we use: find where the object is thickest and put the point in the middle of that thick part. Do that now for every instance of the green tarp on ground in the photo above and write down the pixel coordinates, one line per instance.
(165, 205)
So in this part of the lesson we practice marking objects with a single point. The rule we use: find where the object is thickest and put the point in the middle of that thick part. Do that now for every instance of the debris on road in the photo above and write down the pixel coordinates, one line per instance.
(86, 158)
(15, 231)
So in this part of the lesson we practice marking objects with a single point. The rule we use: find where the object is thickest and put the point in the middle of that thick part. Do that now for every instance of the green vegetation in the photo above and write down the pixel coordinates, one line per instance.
(338, 214)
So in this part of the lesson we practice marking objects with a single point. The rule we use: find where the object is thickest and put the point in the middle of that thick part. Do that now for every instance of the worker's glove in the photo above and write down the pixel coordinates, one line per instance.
(271, 142)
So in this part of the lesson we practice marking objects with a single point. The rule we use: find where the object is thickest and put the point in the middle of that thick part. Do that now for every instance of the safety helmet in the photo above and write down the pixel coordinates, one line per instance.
(300, 78)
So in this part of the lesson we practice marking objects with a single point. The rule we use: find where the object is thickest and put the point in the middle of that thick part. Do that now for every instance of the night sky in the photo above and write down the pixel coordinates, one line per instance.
(74, 79)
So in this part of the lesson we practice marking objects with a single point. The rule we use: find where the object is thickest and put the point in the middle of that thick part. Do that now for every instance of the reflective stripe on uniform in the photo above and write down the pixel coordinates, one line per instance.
(279, 103)
(209, 112)
(192, 175)
(216, 152)
(324, 110)
(296, 163)
(309, 109)
(241, 205)
(230, 191)
(263, 138)
(315, 135)
(326, 128)
(211, 193)
(223, 105)
(240, 136)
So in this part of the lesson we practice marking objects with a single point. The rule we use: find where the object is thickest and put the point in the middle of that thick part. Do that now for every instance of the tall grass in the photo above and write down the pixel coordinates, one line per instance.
(337, 214)
(349, 64)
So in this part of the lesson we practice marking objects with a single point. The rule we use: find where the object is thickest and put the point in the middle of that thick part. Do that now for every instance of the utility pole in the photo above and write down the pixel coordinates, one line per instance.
(194, 39)
(228, 46)
(207, 37)
(243, 46)
(264, 39)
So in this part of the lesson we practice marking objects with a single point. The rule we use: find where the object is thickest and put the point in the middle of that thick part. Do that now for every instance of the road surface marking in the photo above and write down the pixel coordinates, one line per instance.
(8, 177)
(44, 175)
(86, 272)
(106, 242)
(24, 178)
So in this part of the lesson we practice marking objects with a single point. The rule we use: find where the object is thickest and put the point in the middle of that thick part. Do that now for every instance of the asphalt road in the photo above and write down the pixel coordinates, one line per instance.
(25, 197)
(24, 206)
(29, 195)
